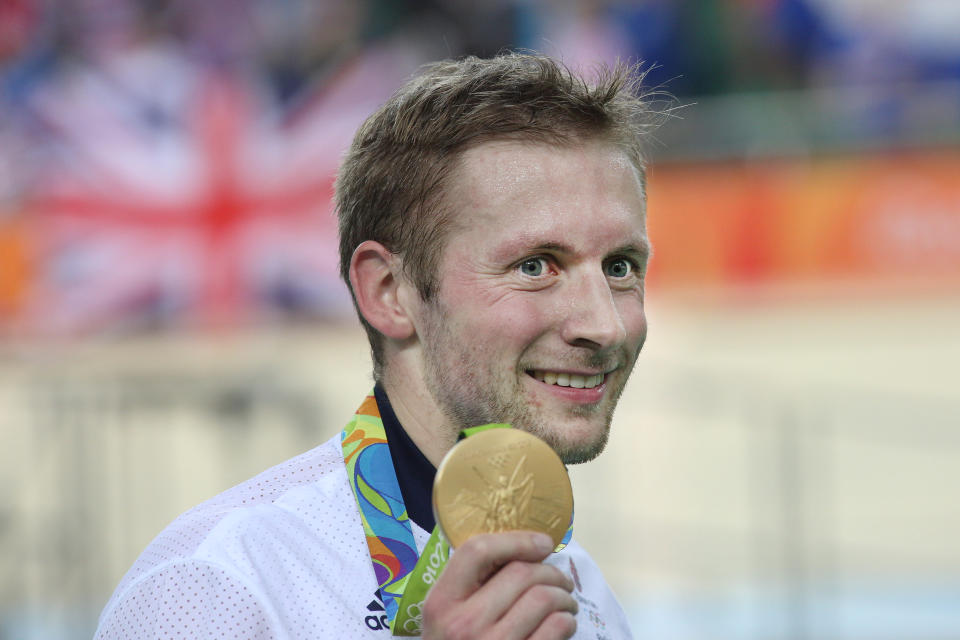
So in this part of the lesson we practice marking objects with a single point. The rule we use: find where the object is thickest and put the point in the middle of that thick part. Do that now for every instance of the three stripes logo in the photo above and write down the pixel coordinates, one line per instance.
(377, 619)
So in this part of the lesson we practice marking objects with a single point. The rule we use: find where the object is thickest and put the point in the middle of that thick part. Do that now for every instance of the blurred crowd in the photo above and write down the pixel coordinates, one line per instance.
(170, 161)
(700, 46)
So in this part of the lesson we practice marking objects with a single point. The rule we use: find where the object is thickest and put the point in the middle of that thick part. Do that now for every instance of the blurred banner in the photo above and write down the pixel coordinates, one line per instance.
(864, 220)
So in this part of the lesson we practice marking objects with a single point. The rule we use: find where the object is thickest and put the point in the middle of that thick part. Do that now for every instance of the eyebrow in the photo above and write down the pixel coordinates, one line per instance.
(642, 249)
(552, 246)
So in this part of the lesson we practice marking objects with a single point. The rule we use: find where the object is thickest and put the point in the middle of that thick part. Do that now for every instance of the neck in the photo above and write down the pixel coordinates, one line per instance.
(417, 411)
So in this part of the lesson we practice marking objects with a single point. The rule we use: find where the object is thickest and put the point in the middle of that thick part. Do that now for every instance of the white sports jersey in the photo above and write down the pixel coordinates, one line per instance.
(283, 555)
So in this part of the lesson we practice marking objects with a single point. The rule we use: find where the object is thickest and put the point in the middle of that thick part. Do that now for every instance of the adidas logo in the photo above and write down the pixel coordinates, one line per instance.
(377, 620)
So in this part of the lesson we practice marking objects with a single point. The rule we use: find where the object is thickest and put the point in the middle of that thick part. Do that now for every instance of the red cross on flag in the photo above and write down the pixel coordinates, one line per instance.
(214, 211)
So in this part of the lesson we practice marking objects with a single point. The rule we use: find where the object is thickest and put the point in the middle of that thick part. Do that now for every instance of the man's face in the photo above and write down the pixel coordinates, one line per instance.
(539, 314)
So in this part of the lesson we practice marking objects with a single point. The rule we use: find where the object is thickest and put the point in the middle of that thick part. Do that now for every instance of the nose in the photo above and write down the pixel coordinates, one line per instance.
(593, 319)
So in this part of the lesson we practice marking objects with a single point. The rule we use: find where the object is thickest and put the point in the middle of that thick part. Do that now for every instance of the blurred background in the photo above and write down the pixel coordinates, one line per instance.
(785, 463)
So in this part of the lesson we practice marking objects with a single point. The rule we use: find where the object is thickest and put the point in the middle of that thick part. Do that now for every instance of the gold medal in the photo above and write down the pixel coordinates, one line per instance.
(501, 480)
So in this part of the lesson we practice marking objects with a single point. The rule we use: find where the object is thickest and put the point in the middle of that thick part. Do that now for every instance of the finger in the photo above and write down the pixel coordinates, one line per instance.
(558, 625)
(533, 610)
(509, 584)
(483, 555)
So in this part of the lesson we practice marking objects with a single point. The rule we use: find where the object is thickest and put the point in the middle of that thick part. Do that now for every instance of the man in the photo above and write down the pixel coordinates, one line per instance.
(492, 223)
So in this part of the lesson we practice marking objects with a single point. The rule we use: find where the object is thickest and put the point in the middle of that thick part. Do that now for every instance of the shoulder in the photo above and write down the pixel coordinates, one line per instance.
(187, 598)
(283, 544)
(238, 510)
(600, 616)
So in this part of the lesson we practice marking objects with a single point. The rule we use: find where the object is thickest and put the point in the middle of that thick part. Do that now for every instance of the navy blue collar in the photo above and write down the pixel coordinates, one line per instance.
(414, 472)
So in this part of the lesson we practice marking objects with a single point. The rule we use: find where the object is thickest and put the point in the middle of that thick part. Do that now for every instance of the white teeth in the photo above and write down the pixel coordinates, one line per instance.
(568, 379)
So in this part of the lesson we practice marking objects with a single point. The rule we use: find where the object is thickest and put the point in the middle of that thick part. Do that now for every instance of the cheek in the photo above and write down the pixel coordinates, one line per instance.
(499, 315)
(634, 322)
(519, 321)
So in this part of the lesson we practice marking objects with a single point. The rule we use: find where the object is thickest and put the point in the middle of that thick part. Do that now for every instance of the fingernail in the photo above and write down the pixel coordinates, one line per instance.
(543, 542)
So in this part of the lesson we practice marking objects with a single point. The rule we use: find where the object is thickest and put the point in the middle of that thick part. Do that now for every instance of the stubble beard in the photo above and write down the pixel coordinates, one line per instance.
(468, 397)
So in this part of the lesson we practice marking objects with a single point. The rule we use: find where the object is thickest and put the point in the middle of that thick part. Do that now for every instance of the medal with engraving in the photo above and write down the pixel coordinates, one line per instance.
(502, 480)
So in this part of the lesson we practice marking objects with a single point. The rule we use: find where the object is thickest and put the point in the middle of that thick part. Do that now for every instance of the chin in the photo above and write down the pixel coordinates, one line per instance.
(577, 450)
(579, 455)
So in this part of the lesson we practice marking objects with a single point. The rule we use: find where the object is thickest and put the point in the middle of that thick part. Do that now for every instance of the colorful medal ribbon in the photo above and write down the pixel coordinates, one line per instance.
(404, 577)
(386, 525)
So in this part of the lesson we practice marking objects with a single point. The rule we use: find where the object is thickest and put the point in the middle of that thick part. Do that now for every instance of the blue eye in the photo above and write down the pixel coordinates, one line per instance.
(533, 267)
(619, 268)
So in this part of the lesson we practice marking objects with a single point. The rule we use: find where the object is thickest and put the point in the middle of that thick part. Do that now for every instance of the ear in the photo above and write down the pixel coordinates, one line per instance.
(380, 290)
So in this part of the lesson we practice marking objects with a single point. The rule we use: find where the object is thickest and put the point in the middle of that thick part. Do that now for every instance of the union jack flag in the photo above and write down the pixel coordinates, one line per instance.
(185, 196)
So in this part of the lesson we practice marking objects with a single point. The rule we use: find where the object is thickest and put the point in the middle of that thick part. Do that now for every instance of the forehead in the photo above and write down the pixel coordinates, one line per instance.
(502, 166)
(544, 193)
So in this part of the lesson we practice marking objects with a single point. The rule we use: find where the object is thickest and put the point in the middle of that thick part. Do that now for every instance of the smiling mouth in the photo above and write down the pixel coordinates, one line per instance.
(567, 379)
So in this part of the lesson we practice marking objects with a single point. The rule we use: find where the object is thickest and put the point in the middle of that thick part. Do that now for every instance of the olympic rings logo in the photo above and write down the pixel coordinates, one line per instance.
(414, 623)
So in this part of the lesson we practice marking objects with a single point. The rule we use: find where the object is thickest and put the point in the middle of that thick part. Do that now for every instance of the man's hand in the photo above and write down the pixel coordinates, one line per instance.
(496, 586)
